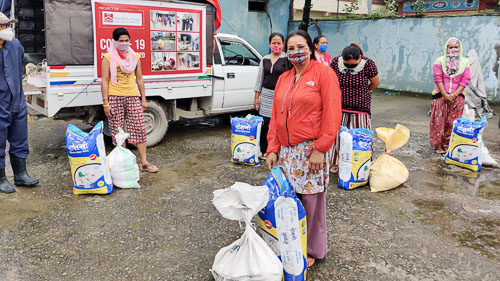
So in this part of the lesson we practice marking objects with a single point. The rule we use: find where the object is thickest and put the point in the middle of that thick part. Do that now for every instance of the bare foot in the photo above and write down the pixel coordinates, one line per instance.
(310, 261)
(334, 169)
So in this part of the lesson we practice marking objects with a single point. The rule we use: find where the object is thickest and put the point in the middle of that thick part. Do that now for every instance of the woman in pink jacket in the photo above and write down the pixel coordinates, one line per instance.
(451, 75)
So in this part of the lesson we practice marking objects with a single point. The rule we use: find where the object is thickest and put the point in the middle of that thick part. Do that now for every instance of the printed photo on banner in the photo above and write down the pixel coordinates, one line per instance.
(188, 42)
(162, 20)
(188, 22)
(189, 61)
(162, 41)
(163, 61)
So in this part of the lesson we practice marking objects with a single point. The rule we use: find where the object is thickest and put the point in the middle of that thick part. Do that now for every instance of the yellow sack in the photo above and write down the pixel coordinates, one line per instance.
(387, 172)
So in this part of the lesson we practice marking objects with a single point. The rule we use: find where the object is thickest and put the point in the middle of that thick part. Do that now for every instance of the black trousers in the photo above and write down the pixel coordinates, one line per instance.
(263, 134)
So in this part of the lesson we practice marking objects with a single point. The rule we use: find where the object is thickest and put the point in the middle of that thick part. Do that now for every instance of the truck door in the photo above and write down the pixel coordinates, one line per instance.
(240, 67)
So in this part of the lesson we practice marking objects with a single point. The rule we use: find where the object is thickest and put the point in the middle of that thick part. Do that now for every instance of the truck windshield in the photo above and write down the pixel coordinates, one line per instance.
(236, 53)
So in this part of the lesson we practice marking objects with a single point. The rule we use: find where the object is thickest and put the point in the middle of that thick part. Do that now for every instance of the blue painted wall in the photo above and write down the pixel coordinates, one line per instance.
(404, 49)
(254, 27)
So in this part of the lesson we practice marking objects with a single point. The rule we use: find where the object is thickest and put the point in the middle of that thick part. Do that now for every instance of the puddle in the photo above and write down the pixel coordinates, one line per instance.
(482, 235)
(470, 183)
(489, 190)
(20, 205)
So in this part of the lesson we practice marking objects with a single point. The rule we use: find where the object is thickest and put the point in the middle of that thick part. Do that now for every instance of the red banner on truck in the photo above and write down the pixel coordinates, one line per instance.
(169, 37)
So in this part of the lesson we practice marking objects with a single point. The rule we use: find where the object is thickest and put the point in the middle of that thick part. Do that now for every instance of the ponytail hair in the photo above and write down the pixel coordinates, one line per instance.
(352, 52)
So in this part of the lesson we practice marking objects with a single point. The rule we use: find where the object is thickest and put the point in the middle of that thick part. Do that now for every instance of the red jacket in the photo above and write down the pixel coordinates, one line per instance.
(306, 109)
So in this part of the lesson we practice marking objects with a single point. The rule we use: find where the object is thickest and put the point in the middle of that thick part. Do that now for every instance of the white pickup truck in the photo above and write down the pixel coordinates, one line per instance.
(71, 92)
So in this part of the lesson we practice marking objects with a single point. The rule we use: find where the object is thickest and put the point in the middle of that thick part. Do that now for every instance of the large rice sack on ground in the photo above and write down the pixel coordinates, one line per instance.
(283, 226)
(355, 157)
(87, 158)
(465, 145)
(386, 171)
(245, 139)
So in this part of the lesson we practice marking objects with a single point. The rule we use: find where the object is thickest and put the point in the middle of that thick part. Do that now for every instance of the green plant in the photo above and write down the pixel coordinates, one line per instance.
(418, 6)
(392, 6)
(352, 7)
(381, 13)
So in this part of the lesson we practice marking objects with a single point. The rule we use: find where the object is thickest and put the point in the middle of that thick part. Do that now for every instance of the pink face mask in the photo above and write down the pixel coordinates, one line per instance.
(276, 49)
(121, 46)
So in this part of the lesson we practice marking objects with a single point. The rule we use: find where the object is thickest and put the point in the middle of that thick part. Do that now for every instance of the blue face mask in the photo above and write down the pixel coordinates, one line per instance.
(323, 48)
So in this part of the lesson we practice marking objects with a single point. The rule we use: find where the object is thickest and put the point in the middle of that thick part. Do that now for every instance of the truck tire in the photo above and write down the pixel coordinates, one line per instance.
(155, 118)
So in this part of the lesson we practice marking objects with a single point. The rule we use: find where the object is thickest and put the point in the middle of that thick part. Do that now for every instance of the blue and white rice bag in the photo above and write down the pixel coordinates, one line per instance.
(466, 143)
(283, 226)
(355, 157)
(87, 158)
(245, 139)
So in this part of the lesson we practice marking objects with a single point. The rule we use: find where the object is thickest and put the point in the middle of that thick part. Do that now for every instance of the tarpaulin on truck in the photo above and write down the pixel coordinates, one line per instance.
(68, 31)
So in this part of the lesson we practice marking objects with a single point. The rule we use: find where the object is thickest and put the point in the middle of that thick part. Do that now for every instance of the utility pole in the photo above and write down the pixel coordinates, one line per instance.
(369, 6)
(304, 25)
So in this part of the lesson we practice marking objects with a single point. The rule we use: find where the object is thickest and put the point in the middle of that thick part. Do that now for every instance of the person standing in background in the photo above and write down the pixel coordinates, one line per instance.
(451, 76)
(123, 103)
(321, 44)
(358, 77)
(13, 109)
(270, 68)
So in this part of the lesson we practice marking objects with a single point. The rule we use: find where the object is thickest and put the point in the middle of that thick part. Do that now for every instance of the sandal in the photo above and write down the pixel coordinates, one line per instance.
(263, 157)
(150, 168)
(334, 170)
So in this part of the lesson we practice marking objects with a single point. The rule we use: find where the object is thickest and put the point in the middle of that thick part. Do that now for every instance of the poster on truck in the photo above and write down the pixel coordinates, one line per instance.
(169, 37)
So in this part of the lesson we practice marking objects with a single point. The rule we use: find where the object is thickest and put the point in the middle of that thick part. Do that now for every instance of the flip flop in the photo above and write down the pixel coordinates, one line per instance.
(440, 151)
(150, 168)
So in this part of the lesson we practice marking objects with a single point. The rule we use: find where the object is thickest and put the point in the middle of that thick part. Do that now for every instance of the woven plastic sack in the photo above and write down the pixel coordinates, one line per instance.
(122, 164)
(248, 258)
(386, 171)
(283, 226)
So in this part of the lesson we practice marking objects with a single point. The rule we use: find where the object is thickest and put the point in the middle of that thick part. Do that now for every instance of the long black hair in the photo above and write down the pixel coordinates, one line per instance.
(306, 36)
(274, 34)
(352, 52)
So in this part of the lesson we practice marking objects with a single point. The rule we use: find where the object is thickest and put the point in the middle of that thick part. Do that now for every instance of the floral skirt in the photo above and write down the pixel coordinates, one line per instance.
(294, 160)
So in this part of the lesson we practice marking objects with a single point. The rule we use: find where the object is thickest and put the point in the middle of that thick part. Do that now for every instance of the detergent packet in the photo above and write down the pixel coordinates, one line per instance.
(355, 157)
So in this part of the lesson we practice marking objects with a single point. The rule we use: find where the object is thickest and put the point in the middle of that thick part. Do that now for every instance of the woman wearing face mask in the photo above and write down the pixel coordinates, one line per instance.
(121, 72)
(305, 120)
(270, 68)
(358, 77)
(451, 76)
(321, 44)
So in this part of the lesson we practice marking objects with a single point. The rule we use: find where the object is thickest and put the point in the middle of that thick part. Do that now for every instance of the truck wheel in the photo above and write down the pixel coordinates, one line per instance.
(155, 118)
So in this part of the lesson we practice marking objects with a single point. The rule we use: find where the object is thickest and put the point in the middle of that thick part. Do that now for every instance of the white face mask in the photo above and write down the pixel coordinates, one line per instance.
(7, 34)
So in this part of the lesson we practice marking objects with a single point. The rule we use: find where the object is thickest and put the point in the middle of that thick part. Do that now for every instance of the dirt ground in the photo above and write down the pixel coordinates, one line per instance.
(443, 224)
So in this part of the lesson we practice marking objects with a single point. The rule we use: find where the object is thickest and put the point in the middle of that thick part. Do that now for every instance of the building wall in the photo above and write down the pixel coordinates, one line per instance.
(404, 49)
(328, 8)
(255, 27)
